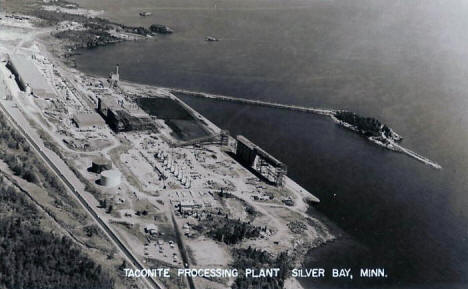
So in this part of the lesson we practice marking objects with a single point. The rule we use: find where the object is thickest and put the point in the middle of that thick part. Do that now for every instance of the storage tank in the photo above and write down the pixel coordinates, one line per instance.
(100, 164)
(110, 178)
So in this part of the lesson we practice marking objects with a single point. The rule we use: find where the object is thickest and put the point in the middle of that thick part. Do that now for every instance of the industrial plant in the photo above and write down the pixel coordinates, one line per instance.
(163, 185)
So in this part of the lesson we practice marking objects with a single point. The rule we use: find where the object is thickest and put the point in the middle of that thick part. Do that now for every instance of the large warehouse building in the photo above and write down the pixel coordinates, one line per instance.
(27, 74)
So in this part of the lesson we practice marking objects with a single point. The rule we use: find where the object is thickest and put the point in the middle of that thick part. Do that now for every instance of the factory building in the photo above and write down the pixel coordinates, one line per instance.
(87, 120)
(187, 206)
(122, 116)
(110, 178)
(108, 103)
(29, 78)
(253, 156)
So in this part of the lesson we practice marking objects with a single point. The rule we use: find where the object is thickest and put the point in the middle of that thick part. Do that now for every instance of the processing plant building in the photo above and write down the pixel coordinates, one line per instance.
(123, 116)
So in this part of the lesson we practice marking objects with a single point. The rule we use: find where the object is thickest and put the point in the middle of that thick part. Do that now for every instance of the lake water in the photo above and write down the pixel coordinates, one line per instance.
(403, 62)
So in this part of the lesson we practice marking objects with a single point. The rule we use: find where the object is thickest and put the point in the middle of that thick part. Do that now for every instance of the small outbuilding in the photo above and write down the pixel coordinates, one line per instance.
(151, 229)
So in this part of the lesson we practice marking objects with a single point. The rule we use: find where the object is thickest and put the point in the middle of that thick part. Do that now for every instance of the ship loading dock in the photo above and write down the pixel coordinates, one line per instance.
(254, 157)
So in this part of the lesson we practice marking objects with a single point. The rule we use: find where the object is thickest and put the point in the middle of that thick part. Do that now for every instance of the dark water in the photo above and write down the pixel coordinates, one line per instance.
(404, 62)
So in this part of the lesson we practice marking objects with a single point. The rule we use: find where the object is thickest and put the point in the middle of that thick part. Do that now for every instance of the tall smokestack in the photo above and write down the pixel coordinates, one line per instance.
(117, 69)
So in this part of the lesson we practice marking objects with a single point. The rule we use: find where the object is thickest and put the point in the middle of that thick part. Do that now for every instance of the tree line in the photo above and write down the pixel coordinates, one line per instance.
(31, 257)
(34, 258)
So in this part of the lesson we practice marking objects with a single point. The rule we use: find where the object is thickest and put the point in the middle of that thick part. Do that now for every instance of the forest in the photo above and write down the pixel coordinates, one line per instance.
(19, 157)
(32, 257)
(256, 258)
(366, 125)
(229, 231)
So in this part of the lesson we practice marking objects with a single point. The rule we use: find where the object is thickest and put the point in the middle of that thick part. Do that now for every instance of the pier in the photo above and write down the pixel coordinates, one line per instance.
(416, 156)
(313, 110)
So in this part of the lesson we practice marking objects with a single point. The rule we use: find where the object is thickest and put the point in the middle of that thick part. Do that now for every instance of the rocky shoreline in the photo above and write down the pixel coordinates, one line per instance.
(78, 28)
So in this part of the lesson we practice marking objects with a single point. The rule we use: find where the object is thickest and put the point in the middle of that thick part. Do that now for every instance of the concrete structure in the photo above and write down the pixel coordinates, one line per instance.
(110, 178)
(253, 156)
(86, 120)
(100, 164)
(28, 76)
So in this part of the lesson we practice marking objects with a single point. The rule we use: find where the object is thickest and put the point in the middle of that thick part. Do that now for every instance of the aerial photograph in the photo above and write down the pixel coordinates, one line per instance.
(233, 144)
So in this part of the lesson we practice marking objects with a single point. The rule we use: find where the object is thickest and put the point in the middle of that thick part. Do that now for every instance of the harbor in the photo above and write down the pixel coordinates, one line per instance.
(390, 144)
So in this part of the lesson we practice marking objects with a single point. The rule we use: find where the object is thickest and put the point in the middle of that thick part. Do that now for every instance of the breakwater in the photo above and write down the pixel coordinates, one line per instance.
(416, 156)
(313, 110)
(321, 111)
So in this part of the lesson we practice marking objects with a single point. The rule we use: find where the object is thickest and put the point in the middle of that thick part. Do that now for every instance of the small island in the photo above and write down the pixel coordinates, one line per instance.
(367, 126)
(161, 29)
(376, 132)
